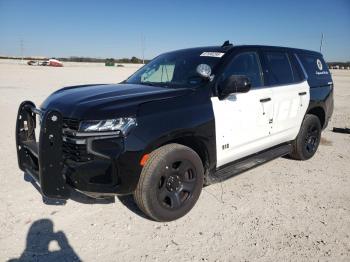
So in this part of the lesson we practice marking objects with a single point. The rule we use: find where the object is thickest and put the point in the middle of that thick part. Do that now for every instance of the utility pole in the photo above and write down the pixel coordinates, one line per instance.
(143, 48)
(321, 43)
(22, 48)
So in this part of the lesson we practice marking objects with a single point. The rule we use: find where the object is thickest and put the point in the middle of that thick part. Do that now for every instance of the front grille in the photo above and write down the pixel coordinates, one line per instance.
(76, 152)
(71, 123)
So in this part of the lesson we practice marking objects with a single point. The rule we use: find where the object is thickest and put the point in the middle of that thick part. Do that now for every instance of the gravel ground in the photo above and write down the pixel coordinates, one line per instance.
(284, 210)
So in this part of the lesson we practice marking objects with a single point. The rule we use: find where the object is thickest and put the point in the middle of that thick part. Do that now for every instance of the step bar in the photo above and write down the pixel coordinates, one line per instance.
(249, 162)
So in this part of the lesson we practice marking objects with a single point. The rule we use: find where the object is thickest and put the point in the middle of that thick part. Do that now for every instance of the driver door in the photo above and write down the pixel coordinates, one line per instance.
(243, 121)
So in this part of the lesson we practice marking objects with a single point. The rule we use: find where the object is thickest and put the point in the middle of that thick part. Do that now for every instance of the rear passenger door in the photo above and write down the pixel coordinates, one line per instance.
(290, 94)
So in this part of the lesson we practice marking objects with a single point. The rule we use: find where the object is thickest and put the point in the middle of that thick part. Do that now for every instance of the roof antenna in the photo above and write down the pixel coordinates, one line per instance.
(226, 43)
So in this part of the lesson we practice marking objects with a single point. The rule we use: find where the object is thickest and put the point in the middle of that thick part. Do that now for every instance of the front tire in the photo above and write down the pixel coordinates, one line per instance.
(170, 182)
(308, 139)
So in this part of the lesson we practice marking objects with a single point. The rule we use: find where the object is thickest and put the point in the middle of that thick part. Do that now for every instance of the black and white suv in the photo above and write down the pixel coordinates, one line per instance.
(186, 119)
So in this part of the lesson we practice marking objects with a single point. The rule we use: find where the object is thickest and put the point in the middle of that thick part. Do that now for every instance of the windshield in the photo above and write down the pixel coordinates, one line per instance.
(176, 69)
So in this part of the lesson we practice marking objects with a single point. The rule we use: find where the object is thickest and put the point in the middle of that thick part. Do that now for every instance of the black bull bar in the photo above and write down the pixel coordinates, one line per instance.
(43, 160)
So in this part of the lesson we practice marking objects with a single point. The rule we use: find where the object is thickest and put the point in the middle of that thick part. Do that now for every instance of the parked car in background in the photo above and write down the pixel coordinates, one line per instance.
(50, 62)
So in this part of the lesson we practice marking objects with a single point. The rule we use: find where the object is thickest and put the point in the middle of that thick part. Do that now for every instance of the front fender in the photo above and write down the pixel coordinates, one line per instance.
(160, 122)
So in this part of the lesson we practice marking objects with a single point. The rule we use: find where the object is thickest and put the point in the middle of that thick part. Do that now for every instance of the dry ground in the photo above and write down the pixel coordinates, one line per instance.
(284, 210)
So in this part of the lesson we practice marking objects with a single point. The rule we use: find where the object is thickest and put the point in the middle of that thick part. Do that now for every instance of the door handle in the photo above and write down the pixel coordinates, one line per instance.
(264, 100)
(301, 100)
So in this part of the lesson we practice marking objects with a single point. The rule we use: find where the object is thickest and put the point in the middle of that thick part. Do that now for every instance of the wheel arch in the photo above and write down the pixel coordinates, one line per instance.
(198, 144)
(320, 113)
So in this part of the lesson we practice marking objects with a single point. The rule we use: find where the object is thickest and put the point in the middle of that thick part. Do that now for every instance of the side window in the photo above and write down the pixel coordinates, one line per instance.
(280, 71)
(246, 64)
(297, 71)
(316, 69)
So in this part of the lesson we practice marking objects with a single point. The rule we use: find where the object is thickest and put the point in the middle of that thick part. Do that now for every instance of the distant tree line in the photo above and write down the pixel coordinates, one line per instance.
(132, 60)
(340, 64)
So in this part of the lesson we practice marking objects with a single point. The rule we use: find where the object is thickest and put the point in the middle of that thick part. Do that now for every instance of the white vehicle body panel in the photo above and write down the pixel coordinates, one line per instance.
(290, 105)
(241, 124)
(244, 125)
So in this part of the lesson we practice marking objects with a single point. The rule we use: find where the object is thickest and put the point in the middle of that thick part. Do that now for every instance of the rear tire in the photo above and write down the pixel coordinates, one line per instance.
(170, 182)
(306, 143)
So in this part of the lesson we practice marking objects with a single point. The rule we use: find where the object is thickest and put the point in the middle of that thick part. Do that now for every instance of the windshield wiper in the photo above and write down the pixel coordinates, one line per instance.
(147, 83)
(155, 84)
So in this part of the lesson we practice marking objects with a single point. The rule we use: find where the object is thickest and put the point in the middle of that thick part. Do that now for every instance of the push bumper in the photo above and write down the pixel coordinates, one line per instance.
(44, 163)
(61, 161)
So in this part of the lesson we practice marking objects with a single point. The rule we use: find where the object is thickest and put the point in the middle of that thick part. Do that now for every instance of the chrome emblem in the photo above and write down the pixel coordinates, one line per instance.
(54, 118)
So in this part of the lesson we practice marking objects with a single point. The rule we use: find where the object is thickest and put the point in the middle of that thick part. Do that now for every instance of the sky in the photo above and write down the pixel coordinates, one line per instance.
(102, 28)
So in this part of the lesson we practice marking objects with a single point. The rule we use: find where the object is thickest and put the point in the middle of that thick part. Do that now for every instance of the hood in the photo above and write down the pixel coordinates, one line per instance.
(105, 101)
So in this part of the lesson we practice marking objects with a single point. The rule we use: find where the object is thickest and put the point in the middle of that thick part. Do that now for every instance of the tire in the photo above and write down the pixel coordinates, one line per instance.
(306, 143)
(170, 182)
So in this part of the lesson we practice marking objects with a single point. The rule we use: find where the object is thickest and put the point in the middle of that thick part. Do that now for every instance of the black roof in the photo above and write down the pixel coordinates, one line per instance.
(226, 48)
(267, 47)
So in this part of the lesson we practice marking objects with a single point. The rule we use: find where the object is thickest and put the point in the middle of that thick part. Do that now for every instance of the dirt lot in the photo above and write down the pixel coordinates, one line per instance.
(284, 210)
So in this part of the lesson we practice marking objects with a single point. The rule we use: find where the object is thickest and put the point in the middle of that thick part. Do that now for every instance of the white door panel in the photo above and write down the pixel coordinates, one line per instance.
(242, 124)
(290, 105)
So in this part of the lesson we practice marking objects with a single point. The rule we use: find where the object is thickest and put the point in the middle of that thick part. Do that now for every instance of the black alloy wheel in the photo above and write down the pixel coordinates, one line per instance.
(312, 138)
(306, 143)
(170, 182)
(177, 184)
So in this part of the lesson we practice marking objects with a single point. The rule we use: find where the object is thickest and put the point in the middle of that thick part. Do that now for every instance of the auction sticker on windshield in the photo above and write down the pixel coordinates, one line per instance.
(212, 54)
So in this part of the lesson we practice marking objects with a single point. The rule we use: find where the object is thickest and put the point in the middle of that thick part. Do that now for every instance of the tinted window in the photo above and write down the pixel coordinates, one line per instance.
(280, 71)
(297, 71)
(246, 64)
(316, 69)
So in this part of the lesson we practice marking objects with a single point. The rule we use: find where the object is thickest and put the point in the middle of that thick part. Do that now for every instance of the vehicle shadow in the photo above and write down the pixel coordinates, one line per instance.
(75, 196)
(128, 202)
(39, 237)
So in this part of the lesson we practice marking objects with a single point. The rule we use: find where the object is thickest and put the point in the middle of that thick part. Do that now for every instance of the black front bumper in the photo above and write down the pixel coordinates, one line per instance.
(57, 161)
(44, 163)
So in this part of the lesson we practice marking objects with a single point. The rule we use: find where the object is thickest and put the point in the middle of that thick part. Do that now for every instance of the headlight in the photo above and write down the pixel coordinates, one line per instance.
(123, 124)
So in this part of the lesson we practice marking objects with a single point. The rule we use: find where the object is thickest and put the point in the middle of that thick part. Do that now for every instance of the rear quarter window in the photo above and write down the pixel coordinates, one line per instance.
(316, 69)
(297, 71)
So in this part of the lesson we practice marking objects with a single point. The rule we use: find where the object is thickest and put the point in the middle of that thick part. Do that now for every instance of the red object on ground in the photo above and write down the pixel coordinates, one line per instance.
(54, 62)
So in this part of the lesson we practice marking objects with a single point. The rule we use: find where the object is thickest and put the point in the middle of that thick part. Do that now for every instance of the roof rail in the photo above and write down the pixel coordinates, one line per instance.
(227, 43)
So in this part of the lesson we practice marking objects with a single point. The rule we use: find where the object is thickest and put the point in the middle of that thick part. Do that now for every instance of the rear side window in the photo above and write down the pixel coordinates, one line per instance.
(316, 69)
(279, 68)
(297, 71)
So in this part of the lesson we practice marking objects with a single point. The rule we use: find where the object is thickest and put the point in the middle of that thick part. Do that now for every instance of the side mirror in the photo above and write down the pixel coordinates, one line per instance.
(234, 84)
